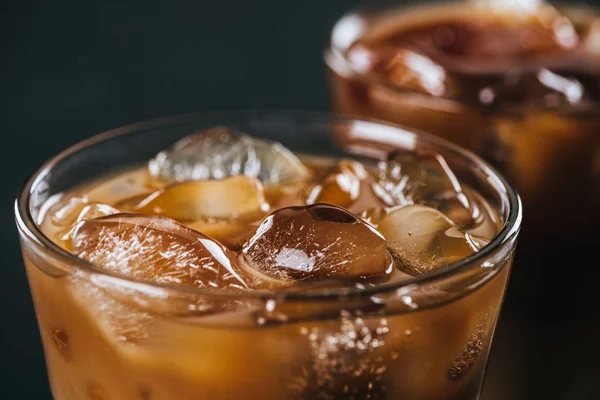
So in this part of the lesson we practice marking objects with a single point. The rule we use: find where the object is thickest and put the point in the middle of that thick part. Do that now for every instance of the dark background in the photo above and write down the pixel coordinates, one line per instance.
(70, 69)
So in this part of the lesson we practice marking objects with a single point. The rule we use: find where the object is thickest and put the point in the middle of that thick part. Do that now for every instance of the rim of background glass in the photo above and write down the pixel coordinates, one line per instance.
(367, 8)
(29, 227)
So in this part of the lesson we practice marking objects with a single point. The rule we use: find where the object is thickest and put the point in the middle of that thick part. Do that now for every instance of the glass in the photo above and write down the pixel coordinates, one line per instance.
(107, 336)
(549, 151)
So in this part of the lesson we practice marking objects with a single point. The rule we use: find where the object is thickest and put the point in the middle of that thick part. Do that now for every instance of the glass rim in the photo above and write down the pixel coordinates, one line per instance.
(331, 50)
(28, 226)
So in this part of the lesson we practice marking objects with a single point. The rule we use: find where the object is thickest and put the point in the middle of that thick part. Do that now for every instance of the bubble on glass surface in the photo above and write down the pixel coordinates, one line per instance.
(347, 361)
(314, 243)
(60, 339)
(468, 357)
(423, 239)
(221, 152)
(156, 249)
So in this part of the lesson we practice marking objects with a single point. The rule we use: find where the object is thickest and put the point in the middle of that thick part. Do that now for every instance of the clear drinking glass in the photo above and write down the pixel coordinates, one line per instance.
(541, 134)
(107, 336)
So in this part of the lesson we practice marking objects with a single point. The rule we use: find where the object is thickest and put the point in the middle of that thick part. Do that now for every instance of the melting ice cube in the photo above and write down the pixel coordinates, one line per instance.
(423, 239)
(316, 242)
(348, 185)
(237, 197)
(156, 249)
(407, 178)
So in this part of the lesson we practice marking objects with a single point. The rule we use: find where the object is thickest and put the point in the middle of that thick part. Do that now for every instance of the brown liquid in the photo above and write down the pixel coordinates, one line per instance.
(102, 342)
(522, 91)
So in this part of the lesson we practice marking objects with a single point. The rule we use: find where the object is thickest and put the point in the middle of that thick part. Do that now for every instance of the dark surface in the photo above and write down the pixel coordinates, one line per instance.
(70, 69)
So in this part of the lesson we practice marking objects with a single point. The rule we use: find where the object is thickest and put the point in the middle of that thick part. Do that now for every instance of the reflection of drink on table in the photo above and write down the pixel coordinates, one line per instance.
(232, 268)
(518, 84)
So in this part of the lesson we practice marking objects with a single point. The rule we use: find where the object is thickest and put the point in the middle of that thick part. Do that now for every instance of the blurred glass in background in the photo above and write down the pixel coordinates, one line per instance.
(517, 82)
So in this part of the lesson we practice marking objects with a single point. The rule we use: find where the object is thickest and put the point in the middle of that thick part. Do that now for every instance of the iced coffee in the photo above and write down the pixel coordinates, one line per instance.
(516, 81)
(229, 266)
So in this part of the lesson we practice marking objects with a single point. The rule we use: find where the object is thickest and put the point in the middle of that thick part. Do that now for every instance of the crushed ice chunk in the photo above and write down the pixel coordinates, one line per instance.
(404, 68)
(415, 71)
(67, 212)
(221, 152)
(89, 211)
(348, 185)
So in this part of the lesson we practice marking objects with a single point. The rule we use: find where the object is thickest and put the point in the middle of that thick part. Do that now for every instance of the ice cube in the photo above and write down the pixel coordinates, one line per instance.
(404, 176)
(423, 239)
(411, 70)
(88, 211)
(348, 185)
(403, 67)
(314, 243)
(221, 152)
(544, 87)
(492, 44)
(95, 210)
(409, 178)
(238, 197)
(77, 209)
(156, 249)
(478, 219)
(68, 211)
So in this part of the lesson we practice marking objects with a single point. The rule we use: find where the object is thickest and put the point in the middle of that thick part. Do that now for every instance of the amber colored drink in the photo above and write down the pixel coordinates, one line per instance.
(231, 267)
